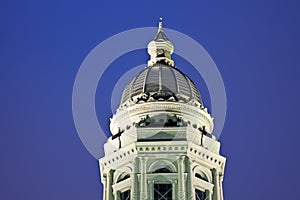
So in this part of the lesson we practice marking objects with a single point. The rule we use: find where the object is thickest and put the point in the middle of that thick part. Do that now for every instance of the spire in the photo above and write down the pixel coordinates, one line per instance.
(160, 35)
(160, 48)
(160, 24)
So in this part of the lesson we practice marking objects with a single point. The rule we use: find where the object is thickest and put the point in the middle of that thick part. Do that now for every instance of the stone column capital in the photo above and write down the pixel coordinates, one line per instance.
(180, 158)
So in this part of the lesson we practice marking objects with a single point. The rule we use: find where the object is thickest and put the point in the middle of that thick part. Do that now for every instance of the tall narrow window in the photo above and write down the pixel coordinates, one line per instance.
(162, 191)
(124, 195)
(200, 195)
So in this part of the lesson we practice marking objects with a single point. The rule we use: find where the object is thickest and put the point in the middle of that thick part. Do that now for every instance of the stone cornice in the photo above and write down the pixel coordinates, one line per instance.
(186, 111)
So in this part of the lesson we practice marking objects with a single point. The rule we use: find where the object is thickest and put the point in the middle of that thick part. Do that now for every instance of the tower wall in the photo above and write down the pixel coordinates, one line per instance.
(162, 145)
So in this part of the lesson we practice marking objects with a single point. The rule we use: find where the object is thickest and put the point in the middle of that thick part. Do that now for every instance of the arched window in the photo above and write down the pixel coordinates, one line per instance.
(162, 190)
(203, 185)
(163, 177)
(123, 187)
(124, 177)
(162, 170)
(202, 177)
(160, 164)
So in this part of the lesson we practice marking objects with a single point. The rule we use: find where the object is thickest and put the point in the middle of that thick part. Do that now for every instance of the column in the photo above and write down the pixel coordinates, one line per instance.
(109, 185)
(116, 195)
(216, 193)
(174, 189)
(191, 188)
(181, 182)
(151, 192)
(105, 187)
(207, 194)
(143, 185)
(134, 180)
(221, 176)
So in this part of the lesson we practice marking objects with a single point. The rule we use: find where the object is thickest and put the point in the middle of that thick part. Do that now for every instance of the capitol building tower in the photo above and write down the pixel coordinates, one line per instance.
(162, 147)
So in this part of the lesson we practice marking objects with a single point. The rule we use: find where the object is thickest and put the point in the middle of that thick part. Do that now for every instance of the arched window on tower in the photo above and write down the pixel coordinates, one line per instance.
(202, 177)
(123, 178)
(162, 190)
(200, 193)
(162, 170)
(123, 187)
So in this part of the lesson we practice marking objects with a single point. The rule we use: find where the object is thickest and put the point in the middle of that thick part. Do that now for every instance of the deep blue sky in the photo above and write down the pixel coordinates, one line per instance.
(255, 44)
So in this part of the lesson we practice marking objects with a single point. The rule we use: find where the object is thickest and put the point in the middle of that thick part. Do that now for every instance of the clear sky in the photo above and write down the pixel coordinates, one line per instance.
(255, 44)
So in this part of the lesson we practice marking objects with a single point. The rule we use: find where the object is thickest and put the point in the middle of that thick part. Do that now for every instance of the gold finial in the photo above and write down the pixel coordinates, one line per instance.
(160, 24)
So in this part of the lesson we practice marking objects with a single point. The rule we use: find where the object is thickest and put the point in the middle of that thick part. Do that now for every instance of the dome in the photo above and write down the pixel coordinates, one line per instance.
(160, 95)
(161, 82)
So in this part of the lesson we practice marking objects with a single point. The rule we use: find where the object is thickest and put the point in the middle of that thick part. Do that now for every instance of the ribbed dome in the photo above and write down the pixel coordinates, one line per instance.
(161, 82)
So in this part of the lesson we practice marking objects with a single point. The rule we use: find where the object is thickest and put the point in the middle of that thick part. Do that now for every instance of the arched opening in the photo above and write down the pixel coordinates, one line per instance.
(162, 166)
(123, 192)
(202, 173)
(162, 170)
(202, 177)
(123, 178)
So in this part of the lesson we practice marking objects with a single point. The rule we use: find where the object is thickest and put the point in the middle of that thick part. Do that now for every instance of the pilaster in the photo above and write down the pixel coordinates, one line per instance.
(181, 180)
(134, 189)
(216, 194)
(191, 188)
(143, 185)
(109, 182)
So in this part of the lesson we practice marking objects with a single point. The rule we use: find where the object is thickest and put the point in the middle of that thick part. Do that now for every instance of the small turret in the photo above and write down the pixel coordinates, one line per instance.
(160, 48)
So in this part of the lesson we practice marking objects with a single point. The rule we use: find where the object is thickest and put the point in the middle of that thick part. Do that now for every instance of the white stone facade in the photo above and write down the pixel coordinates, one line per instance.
(162, 148)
